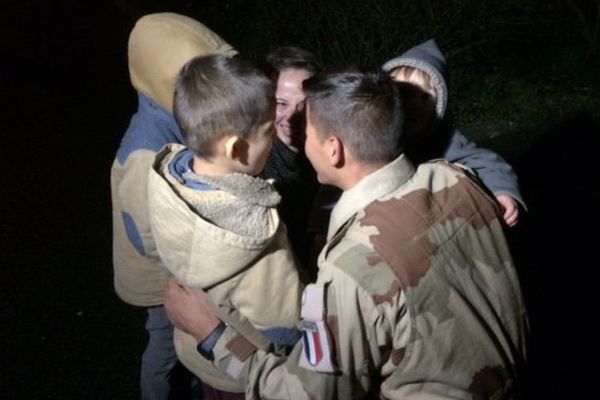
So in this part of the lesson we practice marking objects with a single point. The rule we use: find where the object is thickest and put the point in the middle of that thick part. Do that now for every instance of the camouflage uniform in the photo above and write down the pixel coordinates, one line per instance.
(421, 299)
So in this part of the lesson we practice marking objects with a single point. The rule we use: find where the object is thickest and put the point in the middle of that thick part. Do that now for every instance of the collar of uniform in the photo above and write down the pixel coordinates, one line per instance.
(375, 185)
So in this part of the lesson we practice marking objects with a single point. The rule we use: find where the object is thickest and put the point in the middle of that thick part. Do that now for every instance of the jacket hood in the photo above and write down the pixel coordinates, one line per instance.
(196, 251)
(160, 44)
(428, 58)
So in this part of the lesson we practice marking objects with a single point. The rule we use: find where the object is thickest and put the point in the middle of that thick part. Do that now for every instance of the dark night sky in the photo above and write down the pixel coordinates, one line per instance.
(66, 102)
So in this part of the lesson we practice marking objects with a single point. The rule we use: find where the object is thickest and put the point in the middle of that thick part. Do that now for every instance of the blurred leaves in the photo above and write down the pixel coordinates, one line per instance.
(514, 64)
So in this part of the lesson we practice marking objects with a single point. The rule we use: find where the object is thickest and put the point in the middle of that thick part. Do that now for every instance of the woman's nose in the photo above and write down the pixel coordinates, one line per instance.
(279, 116)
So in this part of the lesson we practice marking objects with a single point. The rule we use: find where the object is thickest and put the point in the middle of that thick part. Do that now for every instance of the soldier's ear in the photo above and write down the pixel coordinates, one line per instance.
(335, 148)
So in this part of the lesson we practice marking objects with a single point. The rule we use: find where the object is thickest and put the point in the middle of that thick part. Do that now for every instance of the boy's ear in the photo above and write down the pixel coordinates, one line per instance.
(236, 148)
(230, 146)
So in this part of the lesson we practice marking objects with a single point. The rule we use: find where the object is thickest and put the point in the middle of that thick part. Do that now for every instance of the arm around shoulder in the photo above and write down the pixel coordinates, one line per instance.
(495, 173)
(354, 340)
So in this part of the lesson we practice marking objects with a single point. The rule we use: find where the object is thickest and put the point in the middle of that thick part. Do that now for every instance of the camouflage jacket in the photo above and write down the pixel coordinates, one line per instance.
(420, 299)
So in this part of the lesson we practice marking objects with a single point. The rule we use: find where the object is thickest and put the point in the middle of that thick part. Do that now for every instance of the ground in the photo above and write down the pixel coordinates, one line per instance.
(66, 100)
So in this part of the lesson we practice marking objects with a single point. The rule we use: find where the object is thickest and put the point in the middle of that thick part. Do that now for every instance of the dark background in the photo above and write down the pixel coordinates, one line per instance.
(65, 102)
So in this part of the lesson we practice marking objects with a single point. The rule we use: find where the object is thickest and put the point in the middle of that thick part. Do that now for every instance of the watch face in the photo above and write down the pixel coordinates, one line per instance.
(208, 354)
(205, 347)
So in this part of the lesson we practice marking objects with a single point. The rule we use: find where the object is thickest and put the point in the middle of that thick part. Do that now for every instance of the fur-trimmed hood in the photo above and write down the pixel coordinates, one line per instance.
(428, 58)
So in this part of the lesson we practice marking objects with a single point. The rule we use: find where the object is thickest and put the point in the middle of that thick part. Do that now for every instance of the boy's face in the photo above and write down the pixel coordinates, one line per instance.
(419, 108)
(259, 147)
(418, 104)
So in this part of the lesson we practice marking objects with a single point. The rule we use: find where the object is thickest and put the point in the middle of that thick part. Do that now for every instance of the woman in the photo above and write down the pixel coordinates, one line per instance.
(287, 165)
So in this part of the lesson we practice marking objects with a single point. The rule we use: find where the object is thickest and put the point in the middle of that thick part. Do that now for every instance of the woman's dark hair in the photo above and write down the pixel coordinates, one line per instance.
(286, 57)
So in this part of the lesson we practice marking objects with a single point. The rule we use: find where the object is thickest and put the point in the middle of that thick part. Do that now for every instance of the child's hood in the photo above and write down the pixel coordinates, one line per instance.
(160, 44)
(428, 58)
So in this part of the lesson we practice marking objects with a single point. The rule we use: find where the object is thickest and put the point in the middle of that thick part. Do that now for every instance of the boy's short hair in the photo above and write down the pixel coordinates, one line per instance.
(416, 77)
(362, 108)
(290, 57)
(216, 96)
(419, 98)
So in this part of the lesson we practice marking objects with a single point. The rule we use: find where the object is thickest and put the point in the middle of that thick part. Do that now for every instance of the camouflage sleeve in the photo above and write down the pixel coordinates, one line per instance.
(363, 331)
(270, 374)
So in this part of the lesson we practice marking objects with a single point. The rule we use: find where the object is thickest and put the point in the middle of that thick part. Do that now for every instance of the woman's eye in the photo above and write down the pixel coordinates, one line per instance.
(300, 105)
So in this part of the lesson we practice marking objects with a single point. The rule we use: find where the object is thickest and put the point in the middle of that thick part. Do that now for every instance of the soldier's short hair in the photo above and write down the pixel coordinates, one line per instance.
(362, 108)
(217, 95)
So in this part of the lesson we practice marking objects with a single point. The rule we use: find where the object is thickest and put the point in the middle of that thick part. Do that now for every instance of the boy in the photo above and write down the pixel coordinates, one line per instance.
(159, 45)
(421, 72)
(215, 224)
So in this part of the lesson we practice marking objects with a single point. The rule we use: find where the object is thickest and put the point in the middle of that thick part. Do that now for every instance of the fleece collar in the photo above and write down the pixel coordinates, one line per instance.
(427, 57)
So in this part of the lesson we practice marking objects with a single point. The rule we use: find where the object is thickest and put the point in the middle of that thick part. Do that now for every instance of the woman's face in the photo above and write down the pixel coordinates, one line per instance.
(290, 101)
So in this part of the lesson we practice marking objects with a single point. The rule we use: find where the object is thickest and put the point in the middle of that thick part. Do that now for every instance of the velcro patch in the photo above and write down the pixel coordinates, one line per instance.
(316, 343)
(240, 347)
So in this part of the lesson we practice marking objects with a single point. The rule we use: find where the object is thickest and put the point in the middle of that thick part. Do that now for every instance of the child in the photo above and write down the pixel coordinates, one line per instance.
(423, 87)
(215, 224)
(159, 45)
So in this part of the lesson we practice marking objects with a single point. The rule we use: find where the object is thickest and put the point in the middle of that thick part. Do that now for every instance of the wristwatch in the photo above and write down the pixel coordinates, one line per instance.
(205, 347)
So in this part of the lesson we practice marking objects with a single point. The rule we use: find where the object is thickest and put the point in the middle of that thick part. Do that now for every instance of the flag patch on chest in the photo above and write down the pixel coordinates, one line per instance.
(312, 342)
(317, 352)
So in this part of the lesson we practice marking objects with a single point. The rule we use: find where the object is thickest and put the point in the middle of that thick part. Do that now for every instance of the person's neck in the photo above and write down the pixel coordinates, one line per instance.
(202, 166)
(355, 173)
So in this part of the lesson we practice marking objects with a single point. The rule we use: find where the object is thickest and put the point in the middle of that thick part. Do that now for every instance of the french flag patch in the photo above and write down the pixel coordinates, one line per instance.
(317, 354)
(312, 343)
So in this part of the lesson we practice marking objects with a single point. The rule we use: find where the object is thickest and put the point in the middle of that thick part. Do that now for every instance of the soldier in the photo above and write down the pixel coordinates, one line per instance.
(417, 295)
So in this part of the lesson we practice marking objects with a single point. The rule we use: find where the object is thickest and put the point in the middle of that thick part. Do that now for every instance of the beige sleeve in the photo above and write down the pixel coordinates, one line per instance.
(139, 276)
(133, 194)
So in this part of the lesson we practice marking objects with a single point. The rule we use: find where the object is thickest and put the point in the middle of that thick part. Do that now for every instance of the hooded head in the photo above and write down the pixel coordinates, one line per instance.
(428, 58)
(160, 44)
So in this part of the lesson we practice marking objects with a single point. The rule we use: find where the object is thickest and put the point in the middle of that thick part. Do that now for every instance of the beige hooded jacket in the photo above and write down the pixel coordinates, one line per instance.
(210, 240)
